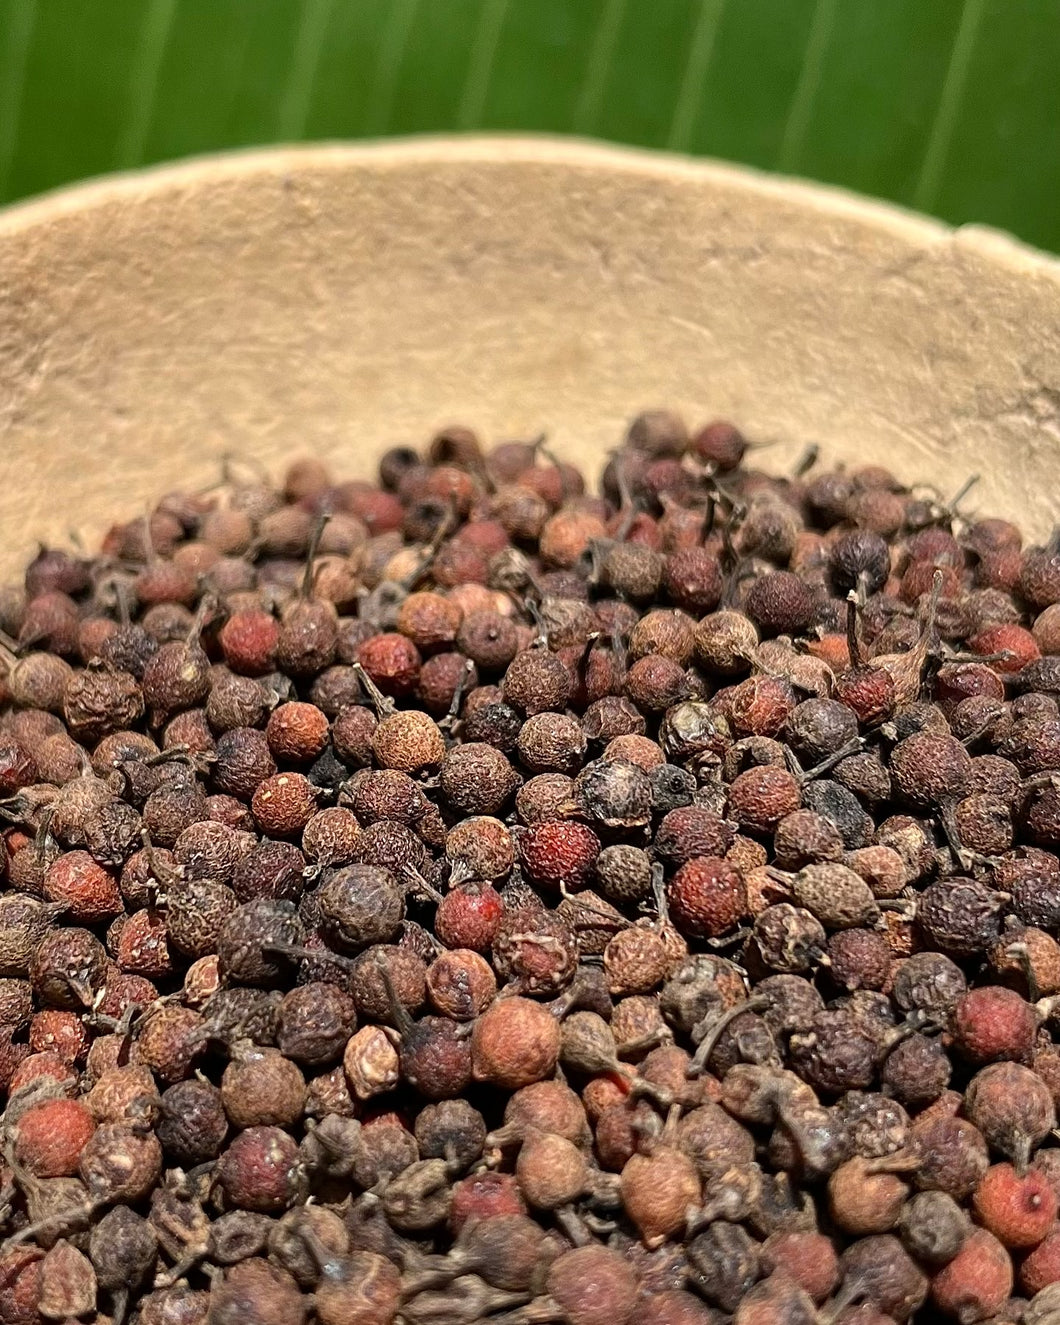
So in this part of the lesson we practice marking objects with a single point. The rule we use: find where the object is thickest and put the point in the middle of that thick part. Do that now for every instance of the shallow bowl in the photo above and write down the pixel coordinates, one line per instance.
(341, 299)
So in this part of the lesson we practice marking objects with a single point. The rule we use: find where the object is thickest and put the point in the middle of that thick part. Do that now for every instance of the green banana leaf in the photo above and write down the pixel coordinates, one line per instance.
(949, 106)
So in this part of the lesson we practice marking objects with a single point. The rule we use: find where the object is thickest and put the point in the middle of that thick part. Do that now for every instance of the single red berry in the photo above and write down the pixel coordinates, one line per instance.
(256, 1172)
(469, 917)
(809, 1258)
(284, 804)
(993, 1022)
(47, 1065)
(1042, 1266)
(707, 897)
(85, 887)
(1018, 1210)
(761, 797)
(721, 444)
(1016, 642)
(559, 852)
(393, 662)
(977, 1282)
(930, 767)
(593, 1285)
(691, 831)
(297, 732)
(51, 1137)
(484, 1196)
(60, 1031)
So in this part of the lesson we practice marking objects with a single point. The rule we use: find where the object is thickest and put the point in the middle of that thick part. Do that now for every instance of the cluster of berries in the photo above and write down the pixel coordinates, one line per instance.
(465, 898)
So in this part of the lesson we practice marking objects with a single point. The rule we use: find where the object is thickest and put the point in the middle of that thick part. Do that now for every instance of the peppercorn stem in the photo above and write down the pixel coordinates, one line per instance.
(1022, 955)
(184, 1266)
(852, 747)
(658, 888)
(851, 1293)
(71, 1220)
(619, 921)
(710, 1040)
(295, 952)
(400, 1014)
(962, 492)
(445, 527)
(590, 644)
(119, 1305)
(420, 884)
(309, 575)
(162, 872)
(649, 1040)
(806, 461)
(571, 1222)
(853, 629)
(206, 608)
(382, 704)
(948, 821)
(900, 1161)
(458, 694)
(550, 456)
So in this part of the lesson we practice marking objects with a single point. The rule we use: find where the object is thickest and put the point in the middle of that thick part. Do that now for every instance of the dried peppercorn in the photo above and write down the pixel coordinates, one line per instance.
(351, 877)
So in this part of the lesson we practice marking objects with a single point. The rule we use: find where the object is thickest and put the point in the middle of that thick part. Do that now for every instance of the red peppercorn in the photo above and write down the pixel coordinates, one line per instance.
(483, 1196)
(89, 892)
(593, 1285)
(1018, 1209)
(256, 1172)
(393, 662)
(284, 804)
(297, 732)
(761, 797)
(707, 897)
(51, 1137)
(559, 853)
(977, 1282)
(993, 1022)
(513, 1043)
(262, 1088)
(1042, 1267)
(469, 916)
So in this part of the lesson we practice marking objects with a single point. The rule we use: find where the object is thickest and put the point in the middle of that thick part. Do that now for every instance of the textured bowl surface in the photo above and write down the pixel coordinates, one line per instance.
(341, 299)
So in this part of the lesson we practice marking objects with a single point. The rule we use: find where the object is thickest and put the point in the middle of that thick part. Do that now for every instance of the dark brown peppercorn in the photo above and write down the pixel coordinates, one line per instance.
(252, 939)
(780, 603)
(537, 681)
(192, 1126)
(361, 905)
(407, 974)
(623, 874)
(477, 779)
(835, 1054)
(256, 1172)
(959, 916)
(243, 761)
(929, 768)
(315, 1021)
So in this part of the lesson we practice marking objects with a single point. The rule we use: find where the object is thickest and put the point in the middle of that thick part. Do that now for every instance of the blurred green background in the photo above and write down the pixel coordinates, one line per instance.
(950, 106)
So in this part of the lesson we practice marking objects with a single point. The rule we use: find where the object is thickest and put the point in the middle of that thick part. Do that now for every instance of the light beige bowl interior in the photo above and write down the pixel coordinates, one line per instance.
(340, 299)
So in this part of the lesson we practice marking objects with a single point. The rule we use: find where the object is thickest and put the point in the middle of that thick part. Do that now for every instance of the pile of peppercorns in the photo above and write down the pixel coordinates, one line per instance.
(466, 898)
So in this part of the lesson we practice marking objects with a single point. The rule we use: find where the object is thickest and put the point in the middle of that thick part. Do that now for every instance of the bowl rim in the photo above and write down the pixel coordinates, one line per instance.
(503, 149)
